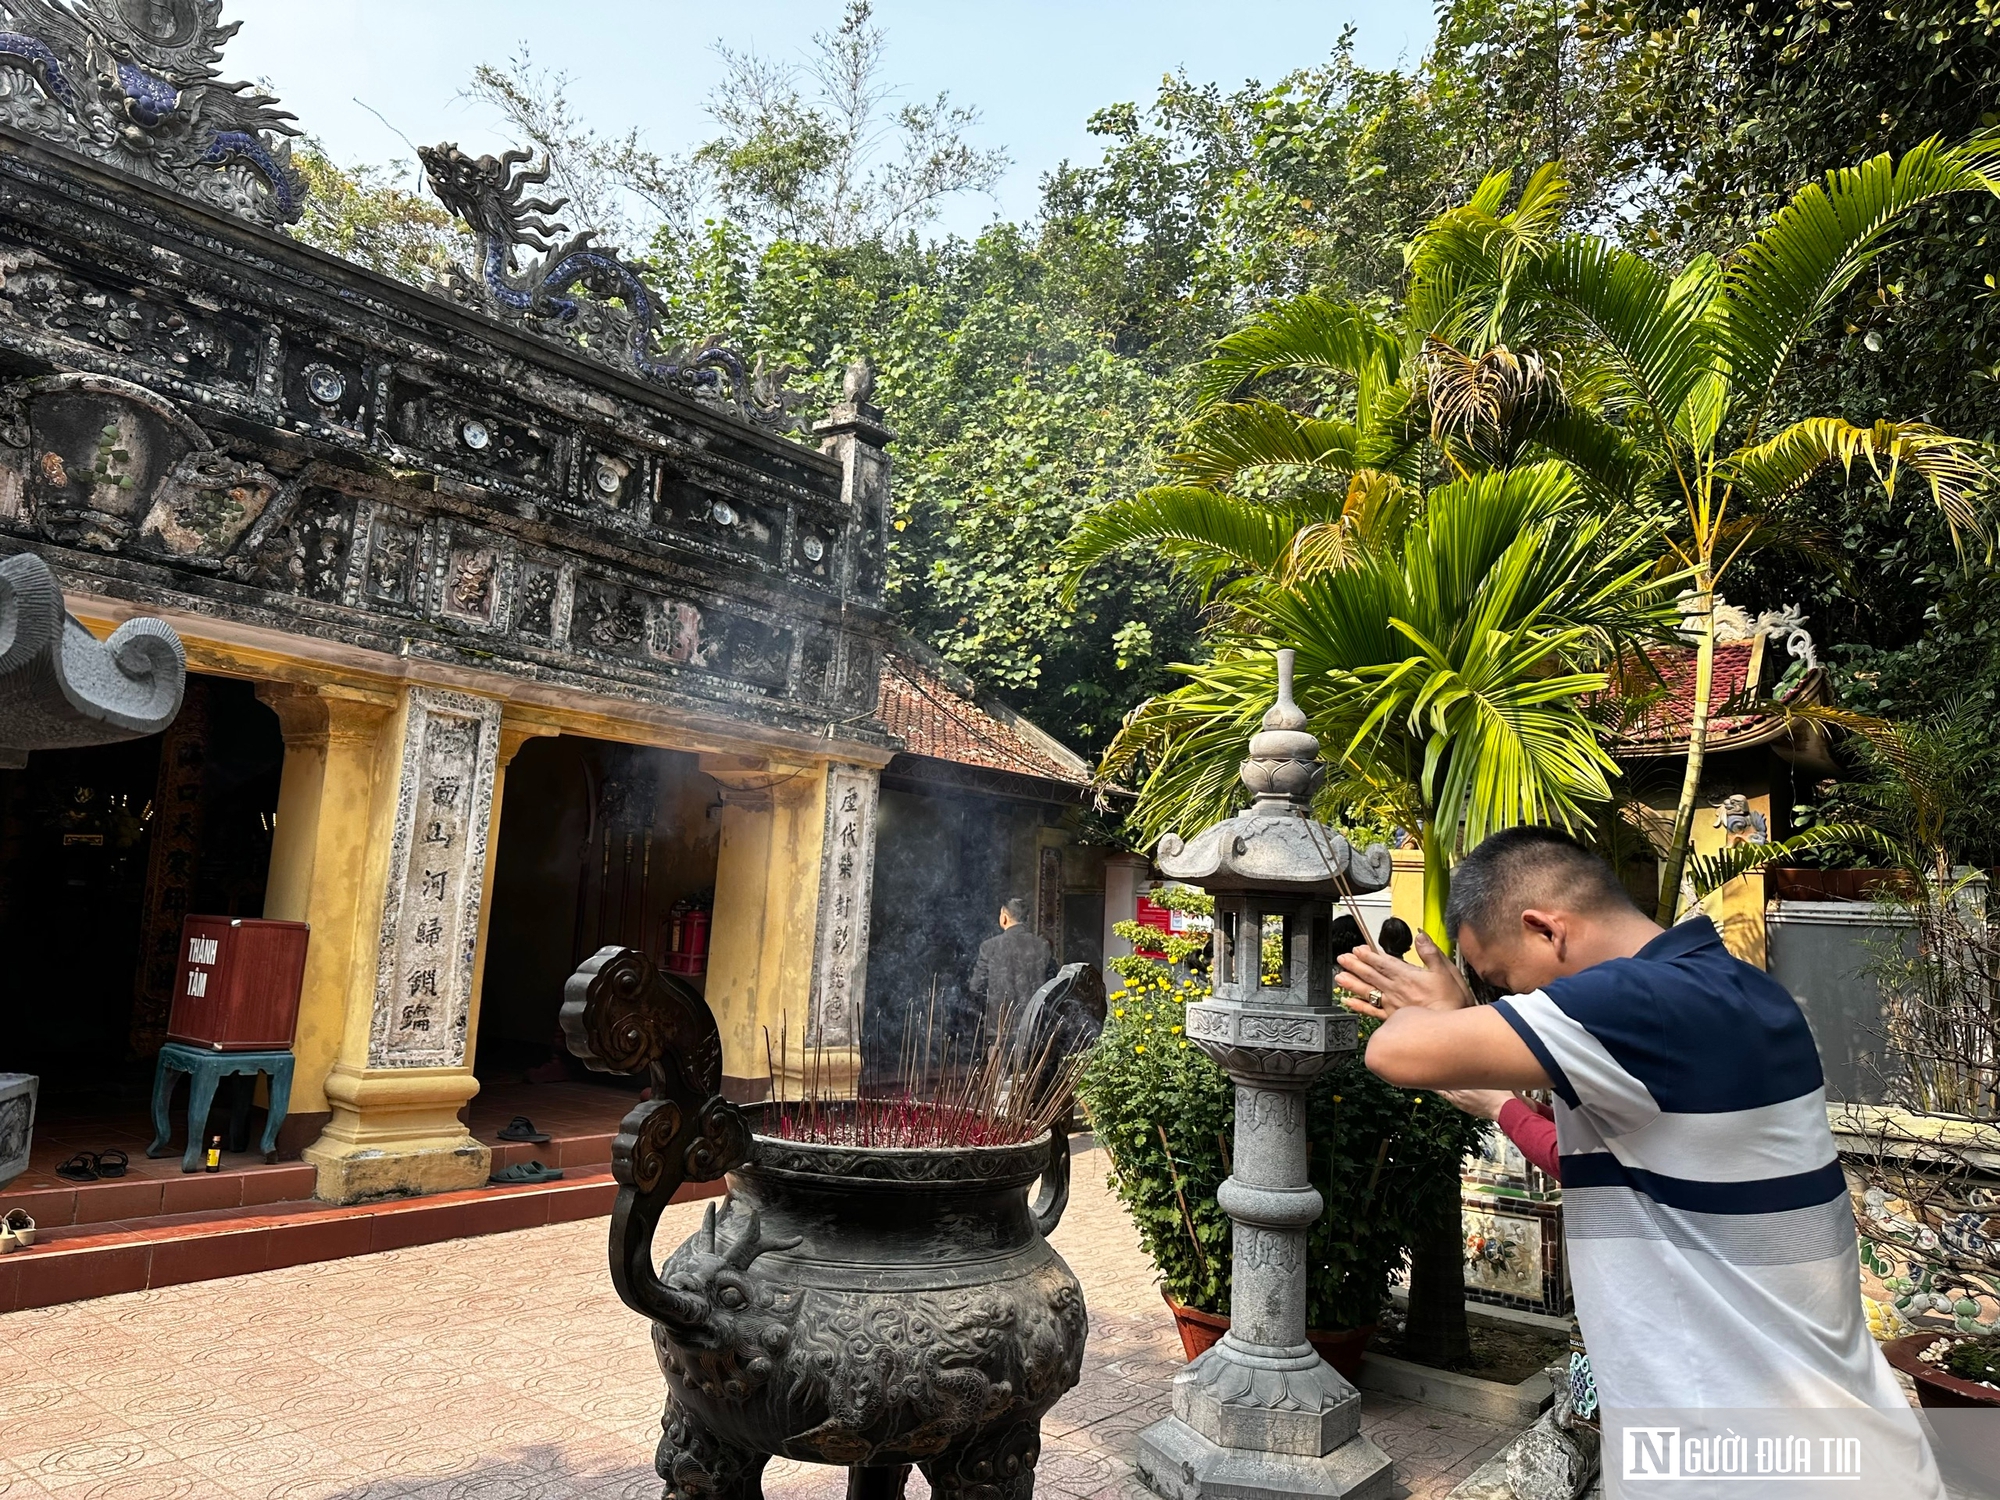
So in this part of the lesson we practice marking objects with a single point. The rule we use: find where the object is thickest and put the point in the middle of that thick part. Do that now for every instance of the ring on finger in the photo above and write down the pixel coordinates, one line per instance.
(1374, 997)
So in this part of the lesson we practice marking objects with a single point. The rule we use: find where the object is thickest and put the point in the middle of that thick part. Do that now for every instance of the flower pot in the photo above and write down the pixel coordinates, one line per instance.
(17, 1123)
(1340, 1347)
(1939, 1390)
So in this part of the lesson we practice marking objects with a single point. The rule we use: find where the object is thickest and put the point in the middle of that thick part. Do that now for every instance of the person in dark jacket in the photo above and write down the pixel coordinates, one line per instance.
(1010, 969)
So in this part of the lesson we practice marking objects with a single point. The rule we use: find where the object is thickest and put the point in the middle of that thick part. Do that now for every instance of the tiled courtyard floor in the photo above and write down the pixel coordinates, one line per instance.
(504, 1368)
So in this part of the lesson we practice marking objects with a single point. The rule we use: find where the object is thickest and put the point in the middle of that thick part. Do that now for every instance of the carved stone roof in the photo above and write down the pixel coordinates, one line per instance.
(201, 419)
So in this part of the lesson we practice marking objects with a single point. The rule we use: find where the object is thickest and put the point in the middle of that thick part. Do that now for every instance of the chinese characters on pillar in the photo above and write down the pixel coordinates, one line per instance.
(437, 867)
(840, 967)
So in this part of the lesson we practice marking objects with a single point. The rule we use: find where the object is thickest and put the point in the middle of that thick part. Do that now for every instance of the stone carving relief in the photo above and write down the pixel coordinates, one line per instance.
(133, 84)
(680, 634)
(846, 884)
(474, 579)
(1303, 1030)
(108, 465)
(393, 571)
(541, 592)
(64, 304)
(437, 864)
(1257, 1247)
(206, 502)
(608, 617)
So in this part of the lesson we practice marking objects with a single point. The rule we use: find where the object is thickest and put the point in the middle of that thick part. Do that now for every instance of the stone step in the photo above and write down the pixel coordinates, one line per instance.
(76, 1262)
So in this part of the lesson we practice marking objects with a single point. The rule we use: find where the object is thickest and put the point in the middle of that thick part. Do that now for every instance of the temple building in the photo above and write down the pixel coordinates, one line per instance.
(510, 632)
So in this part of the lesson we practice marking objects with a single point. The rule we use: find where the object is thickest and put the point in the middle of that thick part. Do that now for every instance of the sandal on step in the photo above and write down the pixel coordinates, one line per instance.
(521, 1174)
(521, 1128)
(81, 1167)
(21, 1224)
(112, 1164)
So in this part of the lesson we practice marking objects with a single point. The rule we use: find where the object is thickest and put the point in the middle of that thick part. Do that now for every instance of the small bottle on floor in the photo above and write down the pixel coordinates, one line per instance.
(214, 1154)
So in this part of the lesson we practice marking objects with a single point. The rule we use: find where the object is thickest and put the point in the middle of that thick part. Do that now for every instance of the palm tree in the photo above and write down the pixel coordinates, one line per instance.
(1674, 384)
(1446, 665)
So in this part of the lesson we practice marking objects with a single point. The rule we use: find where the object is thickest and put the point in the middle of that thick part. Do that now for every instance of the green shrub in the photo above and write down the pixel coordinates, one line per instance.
(1384, 1159)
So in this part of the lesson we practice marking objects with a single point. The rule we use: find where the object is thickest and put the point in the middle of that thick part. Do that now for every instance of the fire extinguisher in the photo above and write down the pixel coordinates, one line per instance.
(687, 936)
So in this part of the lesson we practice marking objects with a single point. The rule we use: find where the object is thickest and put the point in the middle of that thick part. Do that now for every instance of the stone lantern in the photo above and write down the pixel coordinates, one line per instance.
(1261, 1413)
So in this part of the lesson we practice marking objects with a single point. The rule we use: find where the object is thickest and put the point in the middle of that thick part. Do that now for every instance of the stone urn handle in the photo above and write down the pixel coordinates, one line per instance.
(1053, 1198)
(620, 1014)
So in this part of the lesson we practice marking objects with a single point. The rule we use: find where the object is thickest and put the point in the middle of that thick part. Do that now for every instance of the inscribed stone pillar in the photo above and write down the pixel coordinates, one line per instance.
(846, 882)
(403, 1069)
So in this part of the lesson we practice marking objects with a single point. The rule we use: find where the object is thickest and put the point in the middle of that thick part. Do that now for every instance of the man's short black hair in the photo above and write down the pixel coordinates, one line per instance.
(1016, 907)
(1518, 868)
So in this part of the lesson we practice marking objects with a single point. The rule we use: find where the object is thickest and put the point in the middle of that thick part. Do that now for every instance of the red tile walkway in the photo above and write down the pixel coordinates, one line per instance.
(504, 1368)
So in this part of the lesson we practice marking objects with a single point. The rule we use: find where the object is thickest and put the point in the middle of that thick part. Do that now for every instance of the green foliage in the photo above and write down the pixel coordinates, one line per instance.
(1385, 1161)
(1975, 1359)
(1734, 107)
(362, 215)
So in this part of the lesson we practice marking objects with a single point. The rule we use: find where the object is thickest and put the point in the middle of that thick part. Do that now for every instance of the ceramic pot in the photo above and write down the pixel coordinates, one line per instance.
(1969, 1442)
(873, 1307)
(1340, 1347)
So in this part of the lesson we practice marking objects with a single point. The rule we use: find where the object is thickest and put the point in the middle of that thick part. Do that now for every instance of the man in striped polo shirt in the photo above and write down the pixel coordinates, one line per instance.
(1711, 1244)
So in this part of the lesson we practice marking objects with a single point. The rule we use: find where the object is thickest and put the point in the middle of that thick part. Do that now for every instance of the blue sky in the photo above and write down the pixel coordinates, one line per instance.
(1035, 69)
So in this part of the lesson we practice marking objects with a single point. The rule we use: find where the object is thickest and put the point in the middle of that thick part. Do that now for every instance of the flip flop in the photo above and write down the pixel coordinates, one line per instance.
(522, 1174)
(21, 1224)
(81, 1167)
(521, 1128)
(112, 1164)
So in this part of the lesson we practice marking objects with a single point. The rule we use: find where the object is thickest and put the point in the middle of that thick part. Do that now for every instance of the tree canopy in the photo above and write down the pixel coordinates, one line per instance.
(1041, 369)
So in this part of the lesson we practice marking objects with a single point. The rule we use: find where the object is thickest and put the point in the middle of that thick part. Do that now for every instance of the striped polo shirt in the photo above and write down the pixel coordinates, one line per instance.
(1711, 1243)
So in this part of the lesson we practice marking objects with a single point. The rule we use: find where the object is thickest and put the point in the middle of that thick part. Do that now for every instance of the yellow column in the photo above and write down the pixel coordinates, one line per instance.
(1406, 888)
(318, 850)
(402, 1068)
(761, 948)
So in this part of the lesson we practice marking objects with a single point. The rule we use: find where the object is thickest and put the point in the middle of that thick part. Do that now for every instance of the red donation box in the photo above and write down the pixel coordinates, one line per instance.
(236, 988)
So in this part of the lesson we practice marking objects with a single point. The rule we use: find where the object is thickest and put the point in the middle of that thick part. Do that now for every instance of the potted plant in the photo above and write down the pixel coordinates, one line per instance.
(1163, 1112)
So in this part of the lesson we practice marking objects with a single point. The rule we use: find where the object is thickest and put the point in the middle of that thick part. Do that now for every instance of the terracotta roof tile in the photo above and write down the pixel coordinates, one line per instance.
(1663, 723)
(935, 719)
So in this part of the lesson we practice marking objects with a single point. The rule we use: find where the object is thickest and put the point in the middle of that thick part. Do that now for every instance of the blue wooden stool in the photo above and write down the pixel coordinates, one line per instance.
(205, 1069)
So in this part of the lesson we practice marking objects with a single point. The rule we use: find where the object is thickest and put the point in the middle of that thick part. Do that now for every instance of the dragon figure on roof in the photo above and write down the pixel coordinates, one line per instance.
(134, 84)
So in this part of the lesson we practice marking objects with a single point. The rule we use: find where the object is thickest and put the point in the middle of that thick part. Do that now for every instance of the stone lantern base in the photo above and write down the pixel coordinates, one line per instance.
(1178, 1463)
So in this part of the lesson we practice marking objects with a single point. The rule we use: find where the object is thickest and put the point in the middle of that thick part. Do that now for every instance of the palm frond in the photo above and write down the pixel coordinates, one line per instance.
(1310, 334)
(1208, 535)
(1953, 468)
(1708, 873)
(1460, 266)
(1789, 276)
(1648, 332)
(1238, 439)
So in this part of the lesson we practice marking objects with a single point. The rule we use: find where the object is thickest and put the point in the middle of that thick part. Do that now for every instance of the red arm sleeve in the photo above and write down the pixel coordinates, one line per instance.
(1535, 1135)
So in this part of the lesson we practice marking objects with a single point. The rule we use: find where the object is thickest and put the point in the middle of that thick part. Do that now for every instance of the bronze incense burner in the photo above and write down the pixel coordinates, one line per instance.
(871, 1306)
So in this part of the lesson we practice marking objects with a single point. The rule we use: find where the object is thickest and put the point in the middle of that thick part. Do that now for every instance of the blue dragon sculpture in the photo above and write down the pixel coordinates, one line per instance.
(133, 83)
(616, 315)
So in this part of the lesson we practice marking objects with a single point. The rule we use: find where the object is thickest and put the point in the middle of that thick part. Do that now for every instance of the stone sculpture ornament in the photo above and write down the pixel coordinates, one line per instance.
(615, 321)
(61, 687)
(133, 83)
(872, 1307)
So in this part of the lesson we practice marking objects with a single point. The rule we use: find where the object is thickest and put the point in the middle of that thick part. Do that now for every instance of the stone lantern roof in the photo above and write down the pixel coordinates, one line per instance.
(1276, 844)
